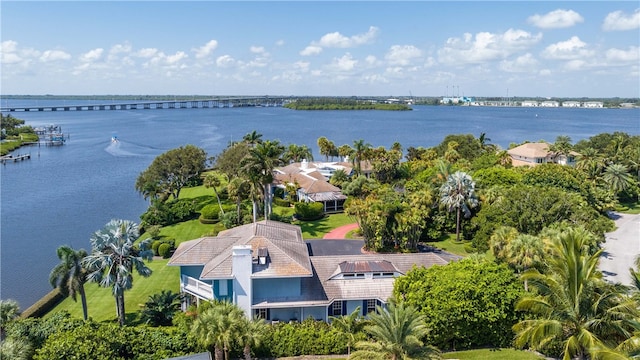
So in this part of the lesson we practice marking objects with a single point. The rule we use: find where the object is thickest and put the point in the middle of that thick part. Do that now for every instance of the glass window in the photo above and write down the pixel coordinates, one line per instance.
(222, 288)
(261, 313)
(336, 308)
(371, 305)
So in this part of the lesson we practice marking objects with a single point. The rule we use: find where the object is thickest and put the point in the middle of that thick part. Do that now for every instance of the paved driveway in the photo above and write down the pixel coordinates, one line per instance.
(621, 248)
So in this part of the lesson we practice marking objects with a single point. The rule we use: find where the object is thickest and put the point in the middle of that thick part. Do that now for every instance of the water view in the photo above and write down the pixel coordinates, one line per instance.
(65, 193)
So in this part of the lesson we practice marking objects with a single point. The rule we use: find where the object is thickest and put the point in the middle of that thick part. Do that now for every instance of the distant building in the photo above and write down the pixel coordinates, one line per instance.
(530, 103)
(550, 103)
(532, 154)
(593, 104)
(572, 104)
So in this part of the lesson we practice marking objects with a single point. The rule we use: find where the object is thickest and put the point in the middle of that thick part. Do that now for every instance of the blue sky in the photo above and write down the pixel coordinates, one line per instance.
(377, 48)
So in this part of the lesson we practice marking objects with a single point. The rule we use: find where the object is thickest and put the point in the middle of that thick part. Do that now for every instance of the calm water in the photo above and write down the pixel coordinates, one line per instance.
(63, 194)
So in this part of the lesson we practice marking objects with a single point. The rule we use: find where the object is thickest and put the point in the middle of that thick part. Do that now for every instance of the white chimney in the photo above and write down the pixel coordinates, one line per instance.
(241, 269)
(304, 164)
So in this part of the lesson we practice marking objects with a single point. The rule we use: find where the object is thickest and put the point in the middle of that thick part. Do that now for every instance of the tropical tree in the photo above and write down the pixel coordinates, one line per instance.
(161, 307)
(251, 333)
(524, 252)
(617, 178)
(297, 153)
(458, 193)
(211, 180)
(114, 257)
(591, 162)
(16, 348)
(253, 138)
(572, 304)
(360, 153)
(562, 146)
(171, 171)
(500, 239)
(9, 310)
(238, 189)
(217, 327)
(258, 168)
(69, 276)
(349, 325)
(396, 331)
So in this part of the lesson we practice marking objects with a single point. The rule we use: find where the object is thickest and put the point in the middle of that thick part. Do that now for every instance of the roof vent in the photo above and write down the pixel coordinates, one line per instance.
(263, 253)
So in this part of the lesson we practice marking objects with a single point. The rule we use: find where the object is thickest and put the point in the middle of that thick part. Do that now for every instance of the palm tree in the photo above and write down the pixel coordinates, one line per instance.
(360, 153)
(211, 180)
(253, 138)
(160, 308)
(114, 257)
(251, 334)
(562, 146)
(591, 162)
(397, 331)
(259, 167)
(238, 188)
(500, 239)
(458, 194)
(524, 252)
(217, 327)
(9, 310)
(70, 275)
(617, 177)
(349, 325)
(572, 304)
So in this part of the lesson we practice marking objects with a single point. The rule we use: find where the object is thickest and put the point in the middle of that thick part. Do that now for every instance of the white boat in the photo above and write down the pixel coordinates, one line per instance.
(114, 139)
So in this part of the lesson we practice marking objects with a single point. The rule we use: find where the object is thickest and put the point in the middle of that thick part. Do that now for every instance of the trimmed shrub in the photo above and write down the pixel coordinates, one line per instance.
(164, 250)
(154, 246)
(210, 212)
(309, 211)
(281, 202)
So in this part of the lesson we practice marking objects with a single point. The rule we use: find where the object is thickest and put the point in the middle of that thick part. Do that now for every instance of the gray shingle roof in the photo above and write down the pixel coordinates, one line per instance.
(288, 254)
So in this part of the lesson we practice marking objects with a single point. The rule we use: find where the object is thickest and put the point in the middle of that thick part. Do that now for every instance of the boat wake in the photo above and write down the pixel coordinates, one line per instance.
(121, 148)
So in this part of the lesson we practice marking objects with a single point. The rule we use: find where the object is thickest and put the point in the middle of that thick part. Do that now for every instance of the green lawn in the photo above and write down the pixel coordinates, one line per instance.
(492, 354)
(101, 304)
(318, 228)
(451, 245)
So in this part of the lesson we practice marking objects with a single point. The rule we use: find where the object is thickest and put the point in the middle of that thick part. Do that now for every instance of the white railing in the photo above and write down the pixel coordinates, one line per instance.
(197, 287)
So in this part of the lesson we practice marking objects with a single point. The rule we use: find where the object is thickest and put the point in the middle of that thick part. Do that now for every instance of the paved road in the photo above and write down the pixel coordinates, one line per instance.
(621, 248)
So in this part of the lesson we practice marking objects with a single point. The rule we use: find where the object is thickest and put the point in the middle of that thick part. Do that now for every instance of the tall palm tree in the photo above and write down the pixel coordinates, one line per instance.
(500, 239)
(591, 162)
(211, 180)
(349, 325)
(69, 276)
(572, 304)
(238, 189)
(259, 167)
(458, 193)
(397, 331)
(114, 257)
(360, 153)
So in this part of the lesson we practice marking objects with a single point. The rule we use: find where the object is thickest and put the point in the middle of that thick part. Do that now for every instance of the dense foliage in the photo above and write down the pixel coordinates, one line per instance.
(342, 104)
(466, 304)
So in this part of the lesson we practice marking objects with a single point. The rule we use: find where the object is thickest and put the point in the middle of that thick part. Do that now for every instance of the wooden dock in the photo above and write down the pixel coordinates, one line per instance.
(14, 158)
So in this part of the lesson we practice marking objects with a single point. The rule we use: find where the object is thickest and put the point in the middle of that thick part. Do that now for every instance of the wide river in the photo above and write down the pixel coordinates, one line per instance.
(65, 193)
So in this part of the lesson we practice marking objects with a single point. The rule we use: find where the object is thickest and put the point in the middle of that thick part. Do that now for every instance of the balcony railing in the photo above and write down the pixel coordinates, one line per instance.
(196, 287)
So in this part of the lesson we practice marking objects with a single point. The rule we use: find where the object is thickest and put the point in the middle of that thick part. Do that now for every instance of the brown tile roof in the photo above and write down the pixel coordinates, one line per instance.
(530, 150)
(288, 255)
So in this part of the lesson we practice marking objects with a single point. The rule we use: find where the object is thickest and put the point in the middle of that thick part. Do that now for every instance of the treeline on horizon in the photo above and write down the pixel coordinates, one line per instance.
(328, 103)
(419, 100)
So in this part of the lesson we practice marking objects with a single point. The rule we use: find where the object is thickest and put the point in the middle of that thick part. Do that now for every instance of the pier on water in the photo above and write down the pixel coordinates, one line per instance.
(14, 158)
(169, 104)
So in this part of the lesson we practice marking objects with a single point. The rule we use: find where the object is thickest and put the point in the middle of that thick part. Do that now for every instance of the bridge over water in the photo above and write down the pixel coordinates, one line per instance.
(225, 102)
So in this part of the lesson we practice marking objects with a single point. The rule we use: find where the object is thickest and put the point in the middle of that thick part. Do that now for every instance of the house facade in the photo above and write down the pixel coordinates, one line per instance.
(265, 268)
(532, 154)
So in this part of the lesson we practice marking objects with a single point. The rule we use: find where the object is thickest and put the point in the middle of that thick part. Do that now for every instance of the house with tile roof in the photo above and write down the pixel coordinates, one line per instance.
(265, 268)
(532, 154)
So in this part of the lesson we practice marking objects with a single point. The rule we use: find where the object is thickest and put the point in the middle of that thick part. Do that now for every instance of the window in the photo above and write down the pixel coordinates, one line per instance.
(222, 288)
(371, 305)
(336, 308)
(261, 314)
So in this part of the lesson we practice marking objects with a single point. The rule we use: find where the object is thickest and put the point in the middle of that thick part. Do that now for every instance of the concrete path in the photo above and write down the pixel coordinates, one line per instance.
(621, 248)
(340, 232)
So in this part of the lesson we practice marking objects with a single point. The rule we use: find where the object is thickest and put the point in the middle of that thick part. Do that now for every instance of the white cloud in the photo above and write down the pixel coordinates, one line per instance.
(176, 58)
(344, 63)
(624, 56)
(120, 49)
(54, 55)
(524, 63)
(371, 60)
(485, 46)
(311, 50)
(571, 49)
(206, 49)
(147, 53)
(619, 21)
(92, 55)
(257, 49)
(337, 40)
(556, 19)
(8, 52)
(402, 55)
(225, 61)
